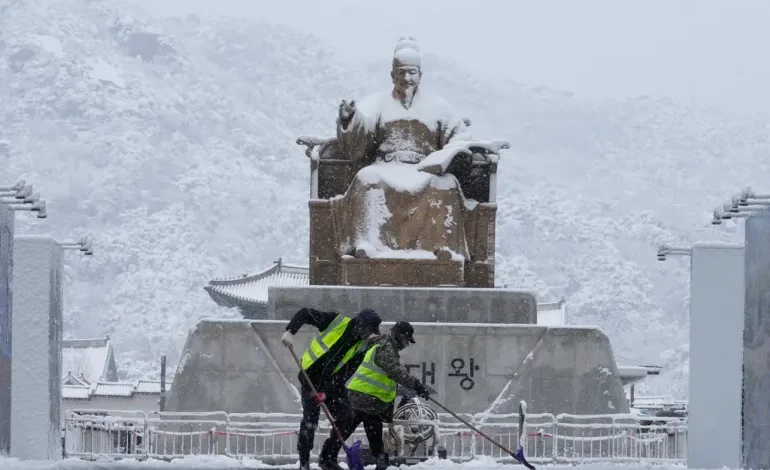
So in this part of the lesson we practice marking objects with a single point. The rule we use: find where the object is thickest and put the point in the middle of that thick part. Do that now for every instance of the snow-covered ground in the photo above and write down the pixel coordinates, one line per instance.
(228, 463)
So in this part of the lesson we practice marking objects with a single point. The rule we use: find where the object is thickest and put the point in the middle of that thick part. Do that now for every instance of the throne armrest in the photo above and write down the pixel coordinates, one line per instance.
(477, 174)
(329, 169)
(327, 146)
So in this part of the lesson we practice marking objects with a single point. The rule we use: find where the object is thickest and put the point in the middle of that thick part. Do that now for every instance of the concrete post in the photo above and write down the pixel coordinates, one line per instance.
(6, 304)
(756, 345)
(716, 345)
(37, 326)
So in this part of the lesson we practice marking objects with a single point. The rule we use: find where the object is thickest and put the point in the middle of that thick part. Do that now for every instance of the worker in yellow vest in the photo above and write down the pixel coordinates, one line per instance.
(332, 357)
(372, 391)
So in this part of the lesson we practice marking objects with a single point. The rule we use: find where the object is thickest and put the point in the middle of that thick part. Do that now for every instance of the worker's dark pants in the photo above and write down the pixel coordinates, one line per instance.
(336, 401)
(372, 427)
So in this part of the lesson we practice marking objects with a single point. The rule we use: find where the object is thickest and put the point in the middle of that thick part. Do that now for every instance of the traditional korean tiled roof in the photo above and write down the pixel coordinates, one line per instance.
(70, 379)
(89, 359)
(75, 392)
(250, 290)
(113, 389)
(150, 386)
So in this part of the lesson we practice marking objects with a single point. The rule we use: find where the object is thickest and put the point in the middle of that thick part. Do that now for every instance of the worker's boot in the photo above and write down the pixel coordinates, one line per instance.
(304, 459)
(383, 461)
(327, 460)
(329, 465)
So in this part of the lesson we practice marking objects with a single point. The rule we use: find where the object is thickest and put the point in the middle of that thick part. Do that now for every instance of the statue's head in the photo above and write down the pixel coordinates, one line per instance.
(407, 68)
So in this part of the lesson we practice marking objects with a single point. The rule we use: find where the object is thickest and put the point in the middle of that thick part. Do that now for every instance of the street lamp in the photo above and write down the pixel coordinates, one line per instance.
(84, 244)
(742, 206)
(665, 250)
(21, 197)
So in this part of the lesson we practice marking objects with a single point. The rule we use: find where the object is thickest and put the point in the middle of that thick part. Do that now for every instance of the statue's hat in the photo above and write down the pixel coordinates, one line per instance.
(407, 53)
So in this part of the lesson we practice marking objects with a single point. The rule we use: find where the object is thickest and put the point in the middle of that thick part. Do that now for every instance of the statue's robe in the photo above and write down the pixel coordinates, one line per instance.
(391, 205)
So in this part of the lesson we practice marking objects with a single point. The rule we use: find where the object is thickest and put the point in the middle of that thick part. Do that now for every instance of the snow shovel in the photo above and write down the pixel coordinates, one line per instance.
(352, 452)
(519, 455)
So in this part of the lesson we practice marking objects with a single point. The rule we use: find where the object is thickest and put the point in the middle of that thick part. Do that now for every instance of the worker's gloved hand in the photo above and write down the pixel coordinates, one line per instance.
(287, 339)
(319, 397)
(422, 391)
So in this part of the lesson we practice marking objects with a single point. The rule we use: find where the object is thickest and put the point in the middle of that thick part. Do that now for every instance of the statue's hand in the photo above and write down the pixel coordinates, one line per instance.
(347, 110)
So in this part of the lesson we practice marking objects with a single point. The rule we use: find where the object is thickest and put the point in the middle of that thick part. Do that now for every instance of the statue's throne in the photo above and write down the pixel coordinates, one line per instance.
(332, 172)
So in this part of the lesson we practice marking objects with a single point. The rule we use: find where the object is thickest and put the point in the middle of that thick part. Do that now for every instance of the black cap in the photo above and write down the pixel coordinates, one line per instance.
(403, 328)
(370, 318)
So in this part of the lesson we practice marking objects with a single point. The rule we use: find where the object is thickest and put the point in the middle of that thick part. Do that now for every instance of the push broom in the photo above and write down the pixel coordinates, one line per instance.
(352, 452)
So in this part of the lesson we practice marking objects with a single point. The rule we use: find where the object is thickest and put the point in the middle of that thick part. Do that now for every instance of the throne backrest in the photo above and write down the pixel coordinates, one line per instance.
(332, 173)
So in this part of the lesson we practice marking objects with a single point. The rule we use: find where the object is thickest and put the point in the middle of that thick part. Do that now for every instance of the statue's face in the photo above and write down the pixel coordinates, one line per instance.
(405, 78)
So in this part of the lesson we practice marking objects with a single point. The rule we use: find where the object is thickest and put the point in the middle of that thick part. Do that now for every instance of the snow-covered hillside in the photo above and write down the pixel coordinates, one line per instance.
(172, 142)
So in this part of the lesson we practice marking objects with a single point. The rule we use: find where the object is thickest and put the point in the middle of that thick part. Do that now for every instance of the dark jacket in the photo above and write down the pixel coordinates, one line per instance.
(389, 360)
(321, 373)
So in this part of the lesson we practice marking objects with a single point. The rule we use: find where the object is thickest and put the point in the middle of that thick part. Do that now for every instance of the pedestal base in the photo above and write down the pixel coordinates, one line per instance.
(401, 272)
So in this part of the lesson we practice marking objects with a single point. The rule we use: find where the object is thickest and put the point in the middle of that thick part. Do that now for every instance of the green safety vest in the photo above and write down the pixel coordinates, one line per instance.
(369, 379)
(325, 339)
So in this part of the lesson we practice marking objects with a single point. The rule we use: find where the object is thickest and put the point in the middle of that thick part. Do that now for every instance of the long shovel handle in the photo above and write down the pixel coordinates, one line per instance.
(518, 456)
(478, 431)
(315, 392)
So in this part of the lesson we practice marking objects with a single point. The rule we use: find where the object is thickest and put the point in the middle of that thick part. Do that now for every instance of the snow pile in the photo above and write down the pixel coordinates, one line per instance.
(221, 462)
(405, 254)
(189, 171)
(399, 176)
(201, 461)
(439, 161)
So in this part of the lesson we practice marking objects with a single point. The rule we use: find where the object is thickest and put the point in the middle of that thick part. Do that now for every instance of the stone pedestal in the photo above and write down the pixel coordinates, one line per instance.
(37, 339)
(401, 272)
(756, 345)
(6, 271)
(716, 357)
(241, 366)
(414, 304)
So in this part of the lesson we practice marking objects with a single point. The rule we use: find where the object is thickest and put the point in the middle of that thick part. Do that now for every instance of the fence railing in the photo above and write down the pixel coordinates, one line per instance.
(272, 437)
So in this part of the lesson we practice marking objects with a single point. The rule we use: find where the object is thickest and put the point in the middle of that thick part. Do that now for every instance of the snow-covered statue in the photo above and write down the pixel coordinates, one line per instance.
(415, 164)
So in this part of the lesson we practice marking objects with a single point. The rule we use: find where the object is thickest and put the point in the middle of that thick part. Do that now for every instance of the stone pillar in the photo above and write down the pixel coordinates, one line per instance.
(756, 345)
(37, 326)
(6, 275)
(716, 356)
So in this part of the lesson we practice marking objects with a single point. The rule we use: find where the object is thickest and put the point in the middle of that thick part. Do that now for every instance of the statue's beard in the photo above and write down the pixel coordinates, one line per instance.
(409, 92)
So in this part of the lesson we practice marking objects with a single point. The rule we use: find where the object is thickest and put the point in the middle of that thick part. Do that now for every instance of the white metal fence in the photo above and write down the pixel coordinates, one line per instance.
(272, 437)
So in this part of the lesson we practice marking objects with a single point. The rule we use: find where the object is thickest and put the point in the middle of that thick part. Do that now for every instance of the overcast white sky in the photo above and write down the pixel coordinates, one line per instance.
(711, 51)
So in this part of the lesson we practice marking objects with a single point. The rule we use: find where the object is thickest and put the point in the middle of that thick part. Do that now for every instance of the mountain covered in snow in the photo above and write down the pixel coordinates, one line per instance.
(172, 142)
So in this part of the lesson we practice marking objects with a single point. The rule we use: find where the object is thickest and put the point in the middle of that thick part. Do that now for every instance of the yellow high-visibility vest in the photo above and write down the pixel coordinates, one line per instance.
(358, 347)
(370, 379)
(325, 339)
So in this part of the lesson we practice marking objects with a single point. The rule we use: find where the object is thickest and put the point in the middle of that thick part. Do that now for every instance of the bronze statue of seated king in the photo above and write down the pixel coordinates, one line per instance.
(403, 195)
